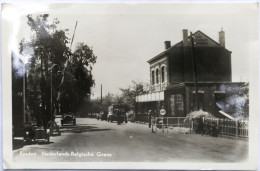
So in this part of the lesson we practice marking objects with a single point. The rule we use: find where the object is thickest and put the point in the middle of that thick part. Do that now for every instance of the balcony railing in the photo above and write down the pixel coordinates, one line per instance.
(158, 87)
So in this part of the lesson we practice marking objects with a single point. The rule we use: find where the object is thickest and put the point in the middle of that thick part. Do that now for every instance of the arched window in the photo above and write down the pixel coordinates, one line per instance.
(157, 75)
(153, 78)
(163, 74)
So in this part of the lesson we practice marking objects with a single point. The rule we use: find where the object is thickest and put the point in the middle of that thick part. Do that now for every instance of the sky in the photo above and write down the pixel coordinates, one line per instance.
(124, 36)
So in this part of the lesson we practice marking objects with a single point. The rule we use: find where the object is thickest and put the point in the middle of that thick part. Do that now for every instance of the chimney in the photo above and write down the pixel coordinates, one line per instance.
(167, 44)
(222, 38)
(185, 37)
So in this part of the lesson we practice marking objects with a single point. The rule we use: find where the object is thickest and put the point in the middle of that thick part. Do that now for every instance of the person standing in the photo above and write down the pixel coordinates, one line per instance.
(150, 118)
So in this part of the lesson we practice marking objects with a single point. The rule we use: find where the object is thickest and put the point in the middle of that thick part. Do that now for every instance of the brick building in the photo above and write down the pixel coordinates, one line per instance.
(172, 72)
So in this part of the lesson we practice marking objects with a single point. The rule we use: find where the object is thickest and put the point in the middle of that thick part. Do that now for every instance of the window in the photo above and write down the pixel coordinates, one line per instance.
(152, 77)
(163, 74)
(157, 76)
(176, 105)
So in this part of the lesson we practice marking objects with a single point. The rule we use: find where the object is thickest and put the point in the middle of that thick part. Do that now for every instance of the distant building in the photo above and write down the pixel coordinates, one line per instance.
(172, 77)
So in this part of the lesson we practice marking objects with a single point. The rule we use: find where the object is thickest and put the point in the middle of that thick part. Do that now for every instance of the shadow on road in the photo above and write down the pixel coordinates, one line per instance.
(43, 142)
(81, 129)
(18, 144)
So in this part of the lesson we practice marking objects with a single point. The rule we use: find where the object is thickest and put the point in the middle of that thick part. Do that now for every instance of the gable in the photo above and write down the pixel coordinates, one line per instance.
(200, 39)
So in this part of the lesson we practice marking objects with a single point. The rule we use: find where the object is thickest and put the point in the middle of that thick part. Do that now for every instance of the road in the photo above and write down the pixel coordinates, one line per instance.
(95, 140)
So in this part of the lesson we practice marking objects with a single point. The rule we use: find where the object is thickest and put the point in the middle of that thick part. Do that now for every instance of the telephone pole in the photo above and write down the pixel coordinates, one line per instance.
(101, 95)
(194, 71)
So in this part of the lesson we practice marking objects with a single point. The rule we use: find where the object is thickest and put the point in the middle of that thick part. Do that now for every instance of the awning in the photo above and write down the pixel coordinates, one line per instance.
(149, 97)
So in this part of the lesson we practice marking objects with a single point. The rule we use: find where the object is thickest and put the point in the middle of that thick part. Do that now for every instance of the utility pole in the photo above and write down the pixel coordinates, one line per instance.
(24, 93)
(65, 67)
(194, 71)
(101, 95)
(73, 34)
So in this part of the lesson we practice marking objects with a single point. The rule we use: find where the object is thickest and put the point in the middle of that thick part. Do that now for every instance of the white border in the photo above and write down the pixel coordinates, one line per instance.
(251, 164)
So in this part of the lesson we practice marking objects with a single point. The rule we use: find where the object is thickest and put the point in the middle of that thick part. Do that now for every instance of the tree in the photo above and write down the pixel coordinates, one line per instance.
(82, 64)
(17, 92)
(129, 94)
(48, 53)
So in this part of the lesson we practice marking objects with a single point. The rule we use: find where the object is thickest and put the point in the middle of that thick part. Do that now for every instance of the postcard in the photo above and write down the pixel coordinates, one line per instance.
(130, 85)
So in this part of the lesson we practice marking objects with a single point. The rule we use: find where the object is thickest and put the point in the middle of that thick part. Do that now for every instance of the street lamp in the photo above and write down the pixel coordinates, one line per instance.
(51, 86)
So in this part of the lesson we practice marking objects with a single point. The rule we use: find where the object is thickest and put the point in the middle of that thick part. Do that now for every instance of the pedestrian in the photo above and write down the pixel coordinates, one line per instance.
(206, 128)
(150, 118)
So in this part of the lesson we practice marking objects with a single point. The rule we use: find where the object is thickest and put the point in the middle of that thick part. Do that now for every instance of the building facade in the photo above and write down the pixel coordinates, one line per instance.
(174, 71)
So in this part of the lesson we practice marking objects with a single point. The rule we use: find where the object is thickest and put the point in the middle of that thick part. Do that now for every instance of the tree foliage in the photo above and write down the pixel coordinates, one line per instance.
(52, 66)
(126, 97)
(131, 92)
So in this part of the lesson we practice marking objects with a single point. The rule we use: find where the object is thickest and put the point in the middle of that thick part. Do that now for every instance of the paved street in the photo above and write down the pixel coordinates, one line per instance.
(95, 140)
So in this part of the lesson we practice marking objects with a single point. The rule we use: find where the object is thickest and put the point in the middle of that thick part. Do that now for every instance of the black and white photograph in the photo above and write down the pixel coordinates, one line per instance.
(130, 85)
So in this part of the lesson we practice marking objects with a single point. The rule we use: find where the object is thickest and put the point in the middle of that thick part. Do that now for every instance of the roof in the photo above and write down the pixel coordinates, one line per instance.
(181, 44)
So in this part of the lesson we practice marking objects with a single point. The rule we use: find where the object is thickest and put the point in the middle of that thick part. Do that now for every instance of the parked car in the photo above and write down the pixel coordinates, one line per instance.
(42, 134)
(67, 119)
(35, 133)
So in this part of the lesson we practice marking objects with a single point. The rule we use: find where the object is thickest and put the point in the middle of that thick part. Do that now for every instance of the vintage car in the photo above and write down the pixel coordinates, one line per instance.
(67, 119)
(117, 113)
(35, 133)
(42, 134)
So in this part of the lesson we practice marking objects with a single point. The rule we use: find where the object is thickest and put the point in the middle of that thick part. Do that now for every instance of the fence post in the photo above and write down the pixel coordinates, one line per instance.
(156, 124)
(236, 128)
(167, 125)
(162, 125)
(191, 126)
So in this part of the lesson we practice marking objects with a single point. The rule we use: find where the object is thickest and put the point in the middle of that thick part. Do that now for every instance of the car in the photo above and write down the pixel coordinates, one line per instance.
(42, 134)
(67, 119)
(36, 133)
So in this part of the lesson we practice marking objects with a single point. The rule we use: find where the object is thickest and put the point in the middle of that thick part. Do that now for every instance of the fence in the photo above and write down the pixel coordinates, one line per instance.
(172, 124)
(227, 127)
